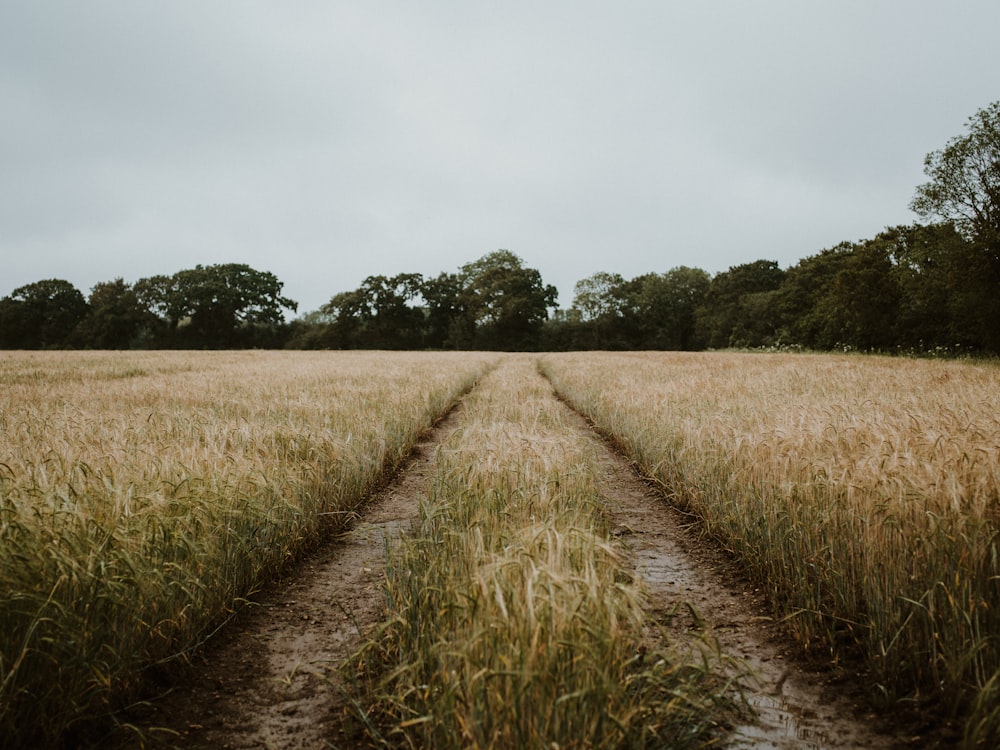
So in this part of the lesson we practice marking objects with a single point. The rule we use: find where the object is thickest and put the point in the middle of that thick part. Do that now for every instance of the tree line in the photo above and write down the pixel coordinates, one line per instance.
(916, 289)
(931, 287)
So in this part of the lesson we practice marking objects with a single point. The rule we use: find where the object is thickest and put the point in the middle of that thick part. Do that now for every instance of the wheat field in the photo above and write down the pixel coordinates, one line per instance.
(514, 620)
(863, 492)
(144, 495)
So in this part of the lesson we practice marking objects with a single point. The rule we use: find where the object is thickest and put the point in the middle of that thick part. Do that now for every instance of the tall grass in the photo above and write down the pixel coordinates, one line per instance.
(865, 492)
(143, 495)
(512, 619)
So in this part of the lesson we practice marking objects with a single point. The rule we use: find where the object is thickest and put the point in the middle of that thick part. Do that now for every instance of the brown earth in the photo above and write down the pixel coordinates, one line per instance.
(693, 587)
(272, 680)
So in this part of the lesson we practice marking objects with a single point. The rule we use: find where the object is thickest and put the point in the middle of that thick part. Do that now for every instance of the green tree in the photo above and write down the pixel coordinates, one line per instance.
(904, 288)
(861, 304)
(387, 315)
(310, 331)
(964, 188)
(345, 313)
(800, 318)
(565, 331)
(159, 295)
(504, 301)
(599, 296)
(934, 277)
(41, 315)
(395, 320)
(447, 326)
(738, 307)
(379, 314)
(964, 185)
(217, 306)
(666, 305)
(117, 318)
(604, 306)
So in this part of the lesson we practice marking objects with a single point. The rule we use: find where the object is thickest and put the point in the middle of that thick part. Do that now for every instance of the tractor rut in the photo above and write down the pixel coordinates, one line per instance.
(272, 678)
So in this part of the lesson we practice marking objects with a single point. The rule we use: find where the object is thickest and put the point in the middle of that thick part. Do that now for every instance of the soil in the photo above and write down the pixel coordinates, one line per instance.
(695, 588)
(271, 679)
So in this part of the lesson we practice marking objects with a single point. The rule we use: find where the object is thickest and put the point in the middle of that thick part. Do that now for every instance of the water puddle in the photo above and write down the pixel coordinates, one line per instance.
(692, 590)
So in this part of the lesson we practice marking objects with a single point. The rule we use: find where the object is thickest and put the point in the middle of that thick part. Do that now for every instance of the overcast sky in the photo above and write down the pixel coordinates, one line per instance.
(328, 141)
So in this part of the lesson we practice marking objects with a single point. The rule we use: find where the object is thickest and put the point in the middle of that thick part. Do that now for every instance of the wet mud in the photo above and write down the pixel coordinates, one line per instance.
(272, 679)
(695, 589)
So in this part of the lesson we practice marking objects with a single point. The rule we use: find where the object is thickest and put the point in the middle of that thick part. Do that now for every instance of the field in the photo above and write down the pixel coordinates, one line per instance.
(863, 492)
(145, 495)
(513, 619)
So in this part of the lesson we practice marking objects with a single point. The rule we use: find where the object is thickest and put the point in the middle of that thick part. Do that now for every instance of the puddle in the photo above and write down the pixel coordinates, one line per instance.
(777, 727)
(698, 592)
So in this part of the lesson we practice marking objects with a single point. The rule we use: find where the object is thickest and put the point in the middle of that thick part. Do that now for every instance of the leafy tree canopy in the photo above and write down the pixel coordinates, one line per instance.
(504, 300)
(601, 295)
(43, 314)
(117, 318)
(209, 305)
(964, 184)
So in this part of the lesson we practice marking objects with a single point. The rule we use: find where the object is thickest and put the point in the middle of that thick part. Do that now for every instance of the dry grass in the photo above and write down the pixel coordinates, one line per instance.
(864, 492)
(142, 495)
(513, 620)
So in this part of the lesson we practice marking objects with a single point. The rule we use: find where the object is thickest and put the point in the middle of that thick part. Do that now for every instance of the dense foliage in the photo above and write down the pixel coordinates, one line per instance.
(925, 288)
(221, 306)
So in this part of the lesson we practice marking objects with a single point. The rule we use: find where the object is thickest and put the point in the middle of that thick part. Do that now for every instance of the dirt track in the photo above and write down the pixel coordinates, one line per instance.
(271, 680)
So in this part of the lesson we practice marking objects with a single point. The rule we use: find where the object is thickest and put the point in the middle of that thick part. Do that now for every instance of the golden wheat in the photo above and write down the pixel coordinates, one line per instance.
(143, 494)
(513, 621)
(862, 491)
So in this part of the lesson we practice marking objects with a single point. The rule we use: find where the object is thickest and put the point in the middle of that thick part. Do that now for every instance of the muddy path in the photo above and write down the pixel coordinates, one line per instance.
(271, 679)
(694, 588)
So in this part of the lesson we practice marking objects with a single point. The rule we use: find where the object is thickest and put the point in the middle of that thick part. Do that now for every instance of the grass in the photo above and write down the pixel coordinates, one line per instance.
(144, 495)
(863, 492)
(513, 620)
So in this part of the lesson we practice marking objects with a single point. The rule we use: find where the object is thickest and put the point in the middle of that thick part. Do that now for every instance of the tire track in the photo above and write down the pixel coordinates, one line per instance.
(694, 589)
(272, 678)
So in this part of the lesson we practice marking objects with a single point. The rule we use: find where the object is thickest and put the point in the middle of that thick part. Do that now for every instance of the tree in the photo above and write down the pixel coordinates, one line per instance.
(504, 301)
(599, 296)
(737, 308)
(447, 326)
(41, 315)
(964, 189)
(391, 319)
(310, 331)
(604, 305)
(379, 314)
(159, 295)
(964, 185)
(217, 306)
(941, 295)
(666, 306)
(344, 313)
(800, 318)
(117, 318)
(861, 305)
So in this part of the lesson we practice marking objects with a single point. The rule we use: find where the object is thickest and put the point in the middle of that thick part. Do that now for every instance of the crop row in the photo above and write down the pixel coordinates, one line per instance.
(143, 496)
(513, 618)
(864, 493)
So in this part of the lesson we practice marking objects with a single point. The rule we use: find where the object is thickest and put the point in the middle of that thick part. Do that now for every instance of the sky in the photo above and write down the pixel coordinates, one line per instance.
(327, 141)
